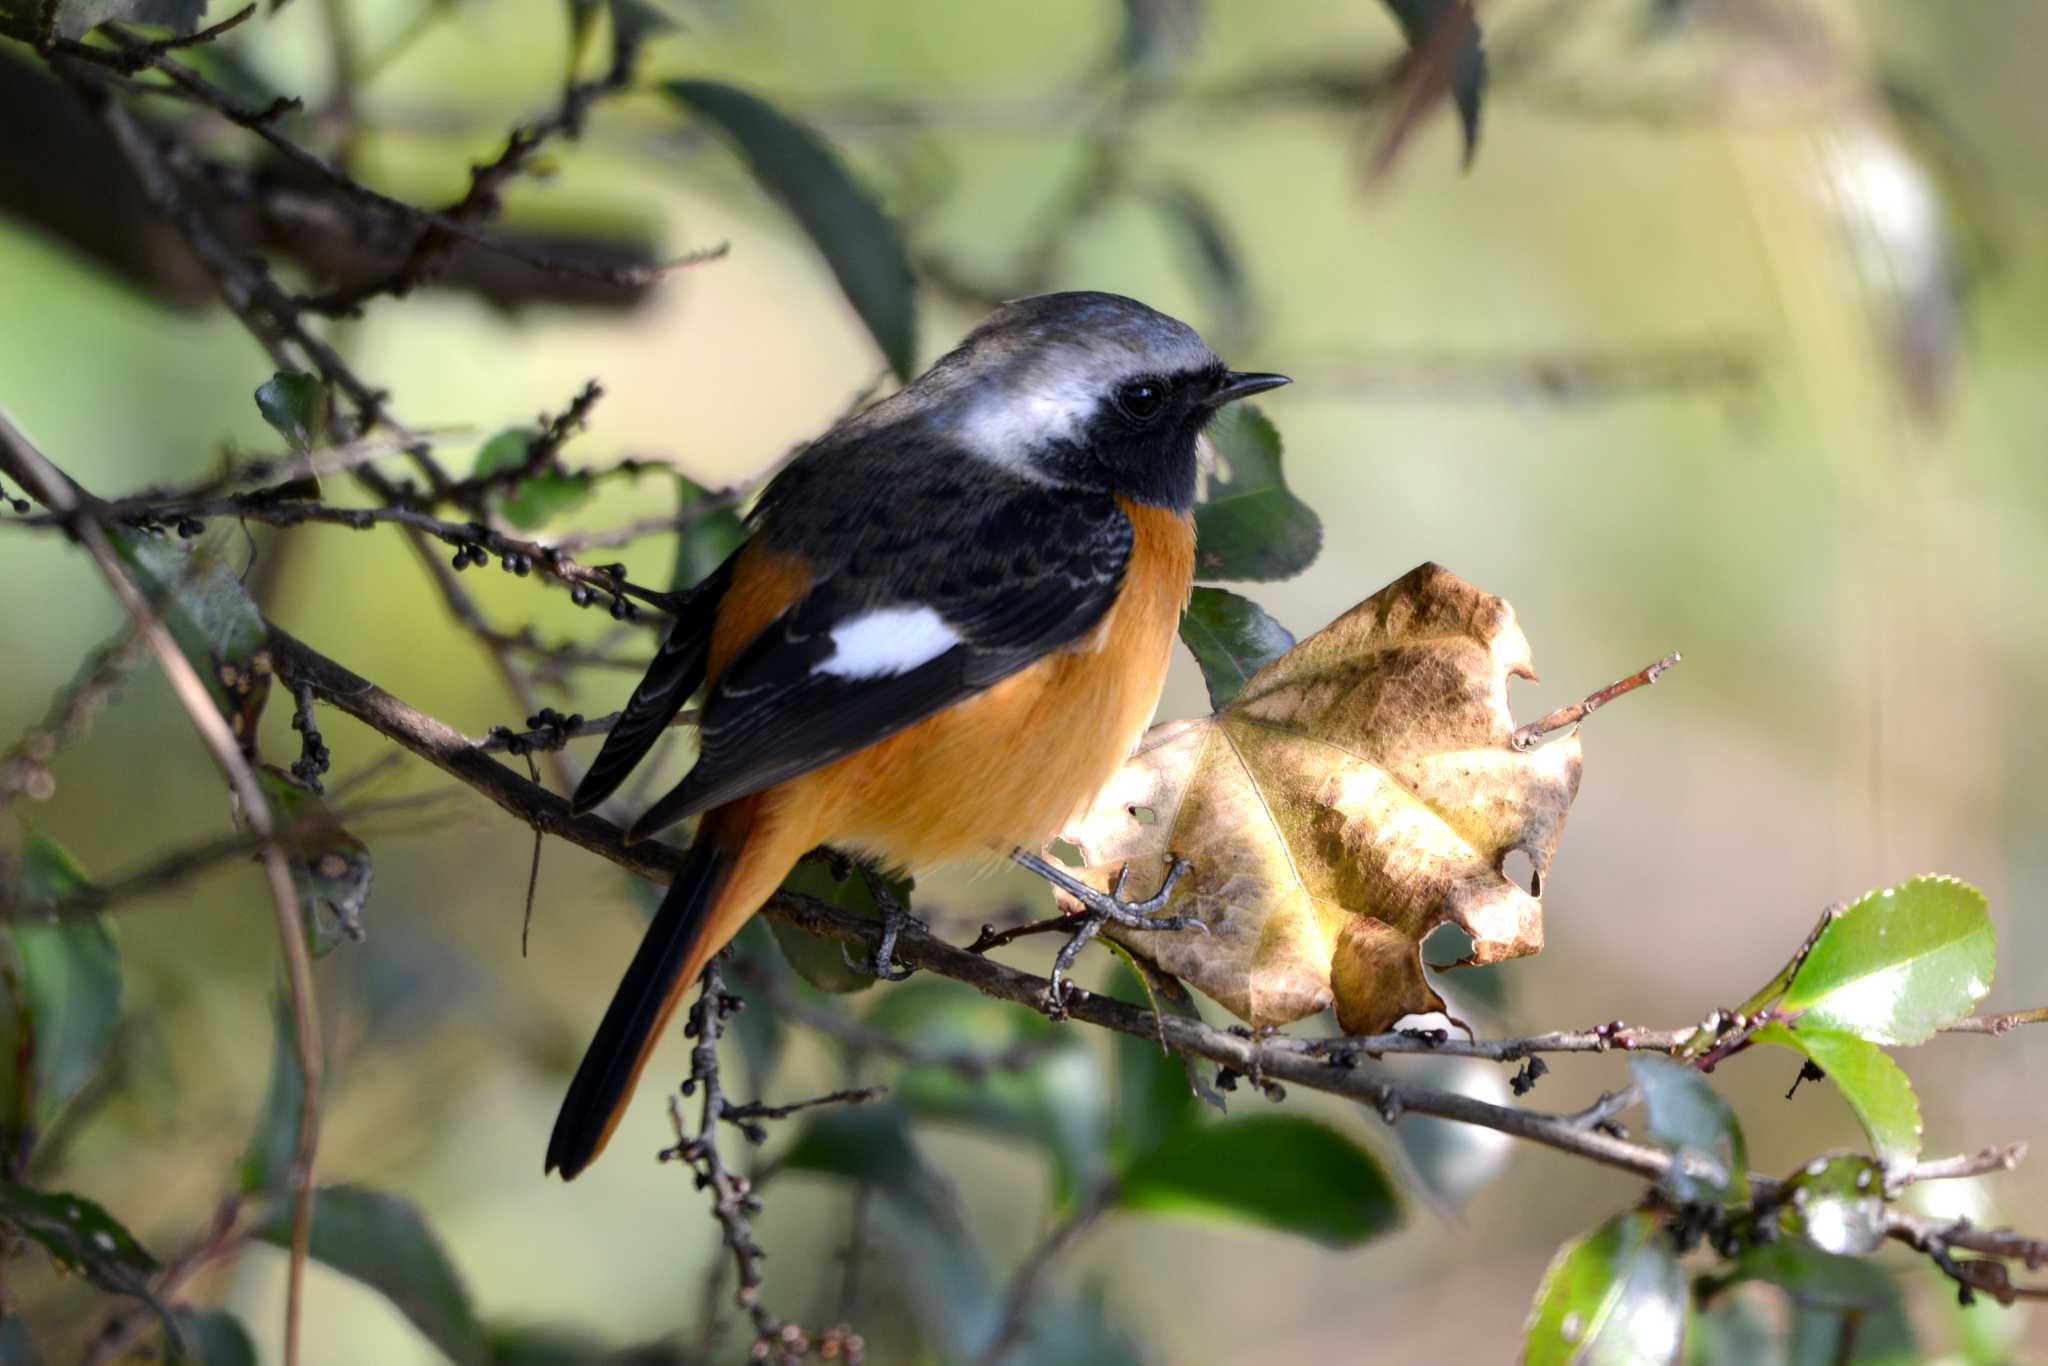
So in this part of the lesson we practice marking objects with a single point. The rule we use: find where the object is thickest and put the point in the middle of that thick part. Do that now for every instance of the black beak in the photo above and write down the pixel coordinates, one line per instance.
(1239, 384)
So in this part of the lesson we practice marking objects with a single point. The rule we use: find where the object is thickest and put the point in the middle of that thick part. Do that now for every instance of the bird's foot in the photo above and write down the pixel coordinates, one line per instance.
(882, 964)
(1100, 908)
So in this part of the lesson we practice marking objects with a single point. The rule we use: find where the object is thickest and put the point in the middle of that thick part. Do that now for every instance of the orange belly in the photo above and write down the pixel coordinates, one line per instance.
(1008, 766)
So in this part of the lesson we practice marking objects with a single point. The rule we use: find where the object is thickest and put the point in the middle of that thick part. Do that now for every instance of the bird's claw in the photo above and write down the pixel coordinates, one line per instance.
(881, 964)
(1100, 908)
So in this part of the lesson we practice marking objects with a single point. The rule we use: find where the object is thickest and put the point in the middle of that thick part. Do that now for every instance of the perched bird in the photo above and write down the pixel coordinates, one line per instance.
(949, 627)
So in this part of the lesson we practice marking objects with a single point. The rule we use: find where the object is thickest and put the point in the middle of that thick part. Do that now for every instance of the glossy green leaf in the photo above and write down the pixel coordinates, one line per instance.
(212, 617)
(1875, 1087)
(706, 543)
(1284, 1172)
(1232, 638)
(331, 868)
(63, 993)
(1899, 964)
(213, 1337)
(818, 960)
(540, 497)
(80, 1235)
(1057, 1098)
(1614, 1297)
(1248, 524)
(1690, 1120)
(799, 168)
(296, 405)
(1837, 1204)
(384, 1242)
(1446, 34)
(273, 1143)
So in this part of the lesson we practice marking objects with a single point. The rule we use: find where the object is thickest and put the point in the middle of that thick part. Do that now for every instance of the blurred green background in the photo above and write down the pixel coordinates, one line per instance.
(1729, 341)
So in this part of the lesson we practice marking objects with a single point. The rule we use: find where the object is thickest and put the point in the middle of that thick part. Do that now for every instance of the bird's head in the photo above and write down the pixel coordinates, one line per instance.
(1085, 390)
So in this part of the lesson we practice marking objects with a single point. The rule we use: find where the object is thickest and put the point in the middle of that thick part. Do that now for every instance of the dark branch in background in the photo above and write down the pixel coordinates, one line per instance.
(26, 768)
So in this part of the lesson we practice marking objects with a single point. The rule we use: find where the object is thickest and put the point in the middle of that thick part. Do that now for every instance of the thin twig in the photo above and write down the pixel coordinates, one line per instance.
(1528, 735)
(56, 490)
(1028, 1281)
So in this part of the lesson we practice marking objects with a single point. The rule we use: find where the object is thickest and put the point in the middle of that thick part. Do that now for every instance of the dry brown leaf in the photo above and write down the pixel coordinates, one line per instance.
(1360, 791)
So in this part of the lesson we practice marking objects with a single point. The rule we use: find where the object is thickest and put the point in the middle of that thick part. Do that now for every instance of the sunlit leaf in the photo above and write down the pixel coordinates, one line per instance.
(1615, 1297)
(295, 404)
(385, 1243)
(1361, 791)
(1284, 1172)
(1248, 523)
(1232, 638)
(1057, 1098)
(1687, 1117)
(1875, 1087)
(1837, 1204)
(797, 166)
(1899, 964)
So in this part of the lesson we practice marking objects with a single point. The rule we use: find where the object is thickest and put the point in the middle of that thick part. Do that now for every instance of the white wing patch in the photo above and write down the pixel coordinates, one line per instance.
(887, 641)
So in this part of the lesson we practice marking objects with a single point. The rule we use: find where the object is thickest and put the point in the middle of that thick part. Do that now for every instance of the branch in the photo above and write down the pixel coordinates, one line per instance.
(56, 490)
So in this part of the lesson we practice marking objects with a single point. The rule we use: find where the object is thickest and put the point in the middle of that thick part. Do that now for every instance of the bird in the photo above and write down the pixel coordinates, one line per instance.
(949, 625)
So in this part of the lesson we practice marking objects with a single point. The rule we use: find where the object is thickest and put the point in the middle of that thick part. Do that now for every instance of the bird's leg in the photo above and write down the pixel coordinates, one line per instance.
(895, 919)
(1100, 908)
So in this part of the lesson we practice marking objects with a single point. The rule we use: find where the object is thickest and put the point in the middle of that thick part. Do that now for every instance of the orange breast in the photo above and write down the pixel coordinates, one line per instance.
(1008, 766)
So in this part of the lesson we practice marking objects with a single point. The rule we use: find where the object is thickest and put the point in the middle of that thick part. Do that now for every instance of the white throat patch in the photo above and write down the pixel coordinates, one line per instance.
(887, 641)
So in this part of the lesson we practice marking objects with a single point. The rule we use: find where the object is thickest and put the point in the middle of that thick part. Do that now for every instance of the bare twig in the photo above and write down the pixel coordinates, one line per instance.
(26, 767)
(1028, 1281)
(1527, 736)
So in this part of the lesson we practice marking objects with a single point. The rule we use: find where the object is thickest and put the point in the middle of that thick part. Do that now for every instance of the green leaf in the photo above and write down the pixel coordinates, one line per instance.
(212, 618)
(1232, 638)
(819, 960)
(707, 542)
(1844, 1309)
(1248, 524)
(274, 1142)
(64, 990)
(213, 1337)
(757, 960)
(296, 405)
(1899, 964)
(1837, 1204)
(1057, 1098)
(1732, 1331)
(1446, 34)
(80, 1235)
(1281, 1171)
(1614, 1297)
(538, 498)
(384, 1242)
(1875, 1087)
(798, 167)
(1688, 1119)
(331, 869)
(1155, 1088)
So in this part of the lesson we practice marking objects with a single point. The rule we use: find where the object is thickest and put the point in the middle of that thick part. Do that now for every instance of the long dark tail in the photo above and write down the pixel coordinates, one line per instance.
(661, 971)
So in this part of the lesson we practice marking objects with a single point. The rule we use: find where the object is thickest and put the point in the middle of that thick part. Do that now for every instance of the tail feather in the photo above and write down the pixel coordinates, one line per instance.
(668, 959)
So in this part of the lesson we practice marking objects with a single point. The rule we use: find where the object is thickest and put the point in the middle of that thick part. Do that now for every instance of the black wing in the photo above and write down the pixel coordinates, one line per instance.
(1034, 571)
(677, 672)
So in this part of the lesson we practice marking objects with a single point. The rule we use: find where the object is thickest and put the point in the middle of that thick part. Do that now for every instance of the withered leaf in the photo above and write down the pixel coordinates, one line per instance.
(1359, 792)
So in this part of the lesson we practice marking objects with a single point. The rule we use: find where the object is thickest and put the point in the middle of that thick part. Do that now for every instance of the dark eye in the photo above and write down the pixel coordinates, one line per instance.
(1141, 398)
